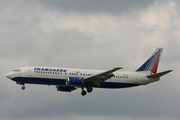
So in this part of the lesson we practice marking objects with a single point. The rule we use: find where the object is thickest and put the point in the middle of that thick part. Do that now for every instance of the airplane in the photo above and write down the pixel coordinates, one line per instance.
(69, 79)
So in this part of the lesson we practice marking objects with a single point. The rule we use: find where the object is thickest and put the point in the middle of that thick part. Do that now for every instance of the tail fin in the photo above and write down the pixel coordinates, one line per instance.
(151, 62)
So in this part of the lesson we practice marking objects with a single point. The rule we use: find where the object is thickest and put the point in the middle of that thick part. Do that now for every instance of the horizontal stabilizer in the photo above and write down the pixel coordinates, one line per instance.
(158, 75)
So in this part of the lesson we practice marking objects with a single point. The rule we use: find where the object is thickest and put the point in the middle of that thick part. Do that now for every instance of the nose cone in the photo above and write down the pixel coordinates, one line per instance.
(9, 75)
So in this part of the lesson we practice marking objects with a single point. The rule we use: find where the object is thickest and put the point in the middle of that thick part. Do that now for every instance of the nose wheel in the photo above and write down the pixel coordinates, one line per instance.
(23, 87)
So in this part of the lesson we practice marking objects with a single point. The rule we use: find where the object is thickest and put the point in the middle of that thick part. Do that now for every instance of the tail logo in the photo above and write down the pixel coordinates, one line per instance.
(151, 64)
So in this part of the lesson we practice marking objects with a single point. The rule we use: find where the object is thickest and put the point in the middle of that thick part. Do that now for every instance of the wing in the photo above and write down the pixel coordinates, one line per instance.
(97, 79)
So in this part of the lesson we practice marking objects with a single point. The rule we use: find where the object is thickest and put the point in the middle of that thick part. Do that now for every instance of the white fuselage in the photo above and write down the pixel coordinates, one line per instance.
(58, 76)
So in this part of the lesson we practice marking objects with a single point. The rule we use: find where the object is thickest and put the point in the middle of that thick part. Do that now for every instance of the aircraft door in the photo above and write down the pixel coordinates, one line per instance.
(29, 71)
(135, 78)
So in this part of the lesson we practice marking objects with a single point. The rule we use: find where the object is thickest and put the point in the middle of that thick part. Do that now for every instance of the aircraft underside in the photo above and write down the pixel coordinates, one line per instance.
(62, 83)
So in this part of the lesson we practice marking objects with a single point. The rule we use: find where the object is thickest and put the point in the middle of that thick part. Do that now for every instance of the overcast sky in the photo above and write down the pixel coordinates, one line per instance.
(93, 34)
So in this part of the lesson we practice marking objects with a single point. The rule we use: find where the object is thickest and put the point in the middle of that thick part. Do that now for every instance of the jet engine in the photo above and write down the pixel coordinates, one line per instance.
(65, 88)
(74, 81)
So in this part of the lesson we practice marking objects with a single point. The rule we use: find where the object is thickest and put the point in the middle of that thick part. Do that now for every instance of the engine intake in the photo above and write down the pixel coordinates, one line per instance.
(75, 81)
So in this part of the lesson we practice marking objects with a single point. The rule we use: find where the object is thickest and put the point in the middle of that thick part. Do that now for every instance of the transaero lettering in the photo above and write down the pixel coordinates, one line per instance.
(50, 69)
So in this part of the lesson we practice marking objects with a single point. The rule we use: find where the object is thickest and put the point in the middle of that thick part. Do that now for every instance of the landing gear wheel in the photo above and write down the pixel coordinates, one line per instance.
(23, 87)
(89, 89)
(83, 93)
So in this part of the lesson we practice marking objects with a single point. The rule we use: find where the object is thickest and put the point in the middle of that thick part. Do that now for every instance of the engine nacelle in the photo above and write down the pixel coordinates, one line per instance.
(65, 88)
(74, 81)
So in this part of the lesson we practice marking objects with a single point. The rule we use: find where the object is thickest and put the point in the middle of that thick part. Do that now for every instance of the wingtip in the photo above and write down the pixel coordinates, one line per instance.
(170, 70)
(117, 68)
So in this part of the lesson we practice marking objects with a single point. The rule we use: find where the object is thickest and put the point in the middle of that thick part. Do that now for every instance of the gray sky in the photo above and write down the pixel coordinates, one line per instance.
(95, 35)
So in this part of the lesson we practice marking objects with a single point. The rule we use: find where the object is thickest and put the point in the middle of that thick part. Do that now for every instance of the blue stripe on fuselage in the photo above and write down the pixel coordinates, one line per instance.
(116, 85)
(51, 81)
(46, 81)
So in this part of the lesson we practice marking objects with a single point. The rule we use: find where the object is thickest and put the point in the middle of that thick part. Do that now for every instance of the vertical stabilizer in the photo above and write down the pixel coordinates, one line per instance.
(151, 62)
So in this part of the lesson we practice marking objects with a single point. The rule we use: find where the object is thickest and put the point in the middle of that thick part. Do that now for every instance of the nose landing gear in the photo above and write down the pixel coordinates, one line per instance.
(21, 83)
(23, 87)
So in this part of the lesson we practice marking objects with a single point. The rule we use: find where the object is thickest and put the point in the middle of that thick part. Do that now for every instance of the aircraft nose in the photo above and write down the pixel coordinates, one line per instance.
(9, 75)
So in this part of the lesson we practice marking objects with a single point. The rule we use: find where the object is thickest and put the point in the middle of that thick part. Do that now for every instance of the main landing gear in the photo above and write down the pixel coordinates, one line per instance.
(89, 89)
(83, 93)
